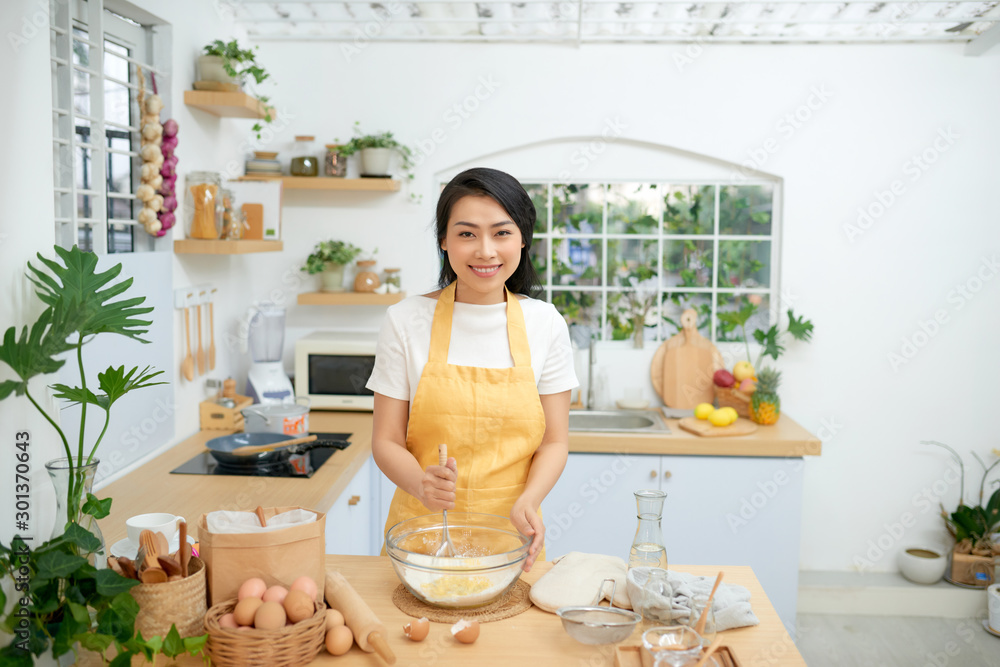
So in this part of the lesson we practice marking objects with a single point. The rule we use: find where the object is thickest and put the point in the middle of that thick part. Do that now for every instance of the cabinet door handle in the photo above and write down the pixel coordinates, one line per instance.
(667, 474)
(354, 500)
(652, 474)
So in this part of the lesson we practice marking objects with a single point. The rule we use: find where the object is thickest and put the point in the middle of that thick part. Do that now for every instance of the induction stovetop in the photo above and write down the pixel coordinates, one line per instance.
(297, 465)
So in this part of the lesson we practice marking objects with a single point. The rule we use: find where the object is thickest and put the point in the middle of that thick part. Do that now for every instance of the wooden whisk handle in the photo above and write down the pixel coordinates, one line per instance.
(442, 454)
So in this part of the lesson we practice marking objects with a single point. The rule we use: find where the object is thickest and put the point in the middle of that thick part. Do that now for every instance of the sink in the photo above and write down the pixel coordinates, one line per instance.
(618, 421)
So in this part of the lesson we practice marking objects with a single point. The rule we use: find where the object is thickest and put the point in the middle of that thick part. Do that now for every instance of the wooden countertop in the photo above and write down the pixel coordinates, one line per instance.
(535, 636)
(151, 488)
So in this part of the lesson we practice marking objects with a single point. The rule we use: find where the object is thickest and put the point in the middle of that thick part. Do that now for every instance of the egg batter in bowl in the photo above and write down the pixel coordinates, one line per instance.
(489, 555)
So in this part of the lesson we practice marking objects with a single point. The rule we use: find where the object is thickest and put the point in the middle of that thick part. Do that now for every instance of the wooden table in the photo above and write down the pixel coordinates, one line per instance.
(537, 637)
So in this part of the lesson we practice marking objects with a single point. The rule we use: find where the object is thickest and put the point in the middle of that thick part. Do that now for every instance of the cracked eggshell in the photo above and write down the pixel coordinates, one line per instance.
(417, 630)
(465, 631)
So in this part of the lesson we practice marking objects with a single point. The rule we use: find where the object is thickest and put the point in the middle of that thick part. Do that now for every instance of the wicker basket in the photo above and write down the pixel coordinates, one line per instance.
(296, 644)
(173, 602)
(733, 398)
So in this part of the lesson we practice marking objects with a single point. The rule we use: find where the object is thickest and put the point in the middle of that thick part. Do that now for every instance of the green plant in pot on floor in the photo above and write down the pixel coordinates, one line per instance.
(328, 259)
(63, 594)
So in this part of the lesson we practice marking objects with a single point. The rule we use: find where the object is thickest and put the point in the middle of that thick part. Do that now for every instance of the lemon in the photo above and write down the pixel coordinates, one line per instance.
(731, 413)
(719, 417)
(704, 410)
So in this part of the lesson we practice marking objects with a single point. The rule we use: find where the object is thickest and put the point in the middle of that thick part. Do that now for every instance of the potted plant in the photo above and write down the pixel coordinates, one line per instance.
(66, 597)
(328, 259)
(227, 63)
(973, 527)
(750, 389)
(376, 151)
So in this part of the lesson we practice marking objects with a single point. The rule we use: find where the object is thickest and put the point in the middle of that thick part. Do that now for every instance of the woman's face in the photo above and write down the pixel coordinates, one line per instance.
(484, 248)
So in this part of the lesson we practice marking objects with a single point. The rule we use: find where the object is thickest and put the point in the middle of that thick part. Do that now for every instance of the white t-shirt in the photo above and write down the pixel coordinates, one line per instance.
(478, 338)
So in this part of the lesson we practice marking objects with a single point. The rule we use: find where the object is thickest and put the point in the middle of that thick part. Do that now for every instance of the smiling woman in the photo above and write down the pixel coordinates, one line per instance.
(479, 366)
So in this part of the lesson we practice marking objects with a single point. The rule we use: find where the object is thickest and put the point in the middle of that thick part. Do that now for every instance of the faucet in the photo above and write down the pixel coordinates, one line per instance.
(583, 335)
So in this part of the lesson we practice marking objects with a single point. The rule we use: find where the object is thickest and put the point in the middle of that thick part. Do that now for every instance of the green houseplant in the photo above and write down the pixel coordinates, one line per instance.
(328, 259)
(376, 150)
(972, 526)
(226, 62)
(64, 597)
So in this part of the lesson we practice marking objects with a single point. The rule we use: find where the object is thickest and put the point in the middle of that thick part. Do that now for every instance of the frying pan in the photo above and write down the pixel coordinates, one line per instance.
(221, 448)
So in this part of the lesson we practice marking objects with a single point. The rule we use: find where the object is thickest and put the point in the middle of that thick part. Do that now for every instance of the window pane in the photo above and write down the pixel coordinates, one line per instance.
(539, 255)
(85, 238)
(689, 209)
(687, 263)
(675, 303)
(633, 308)
(745, 209)
(732, 302)
(577, 208)
(576, 262)
(631, 261)
(539, 193)
(633, 208)
(119, 166)
(81, 97)
(744, 264)
(579, 307)
(120, 238)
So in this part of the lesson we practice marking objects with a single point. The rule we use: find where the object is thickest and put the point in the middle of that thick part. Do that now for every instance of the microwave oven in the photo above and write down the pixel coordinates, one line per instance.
(333, 368)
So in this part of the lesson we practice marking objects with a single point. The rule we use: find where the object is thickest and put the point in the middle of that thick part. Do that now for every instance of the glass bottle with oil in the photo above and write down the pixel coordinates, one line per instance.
(647, 547)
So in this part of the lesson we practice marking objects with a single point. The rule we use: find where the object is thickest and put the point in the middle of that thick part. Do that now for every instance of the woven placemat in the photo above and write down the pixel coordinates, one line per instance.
(512, 603)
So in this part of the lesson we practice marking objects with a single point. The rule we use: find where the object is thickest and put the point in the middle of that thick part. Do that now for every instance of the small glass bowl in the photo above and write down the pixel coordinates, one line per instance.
(676, 645)
(491, 552)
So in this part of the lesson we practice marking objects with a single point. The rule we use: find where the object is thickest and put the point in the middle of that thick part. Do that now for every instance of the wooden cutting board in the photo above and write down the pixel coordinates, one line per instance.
(703, 428)
(683, 366)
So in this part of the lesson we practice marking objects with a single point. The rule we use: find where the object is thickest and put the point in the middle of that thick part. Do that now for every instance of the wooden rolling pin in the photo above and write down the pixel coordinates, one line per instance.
(368, 631)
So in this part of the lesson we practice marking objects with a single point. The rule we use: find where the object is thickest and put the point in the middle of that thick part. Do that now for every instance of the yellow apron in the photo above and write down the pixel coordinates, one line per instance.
(490, 418)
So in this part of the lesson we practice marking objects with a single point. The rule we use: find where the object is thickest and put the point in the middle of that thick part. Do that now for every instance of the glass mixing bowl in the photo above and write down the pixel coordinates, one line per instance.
(490, 555)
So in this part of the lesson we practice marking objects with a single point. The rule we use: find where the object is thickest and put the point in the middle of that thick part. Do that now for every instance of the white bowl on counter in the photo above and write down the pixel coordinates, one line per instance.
(922, 564)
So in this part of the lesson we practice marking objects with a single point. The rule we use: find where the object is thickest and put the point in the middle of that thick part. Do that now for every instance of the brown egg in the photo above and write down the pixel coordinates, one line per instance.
(270, 616)
(299, 606)
(333, 618)
(339, 640)
(252, 588)
(246, 609)
(228, 621)
(417, 630)
(306, 585)
(466, 631)
(275, 594)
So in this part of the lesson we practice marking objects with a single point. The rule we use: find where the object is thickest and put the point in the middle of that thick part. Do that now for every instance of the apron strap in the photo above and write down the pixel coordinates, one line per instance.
(517, 332)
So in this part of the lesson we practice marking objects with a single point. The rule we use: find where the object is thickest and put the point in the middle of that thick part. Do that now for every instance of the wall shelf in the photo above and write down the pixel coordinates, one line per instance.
(329, 183)
(226, 104)
(349, 299)
(217, 247)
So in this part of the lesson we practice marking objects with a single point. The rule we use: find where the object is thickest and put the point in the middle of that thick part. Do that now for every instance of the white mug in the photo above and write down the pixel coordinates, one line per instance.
(993, 599)
(157, 522)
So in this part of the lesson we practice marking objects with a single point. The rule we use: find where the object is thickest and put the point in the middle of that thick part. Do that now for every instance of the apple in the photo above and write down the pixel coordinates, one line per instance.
(723, 378)
(743, 370)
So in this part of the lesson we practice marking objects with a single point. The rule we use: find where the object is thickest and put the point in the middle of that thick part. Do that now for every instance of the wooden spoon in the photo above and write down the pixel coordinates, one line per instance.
(128, 568)
(113, 564)
(211, 338)
(183, 554)
(162, 546)
(187, 366)
(153, 575)
(700, 627)
(257, 449)
(169, 565)
(201, 351)
(260, 516)
(709, 651)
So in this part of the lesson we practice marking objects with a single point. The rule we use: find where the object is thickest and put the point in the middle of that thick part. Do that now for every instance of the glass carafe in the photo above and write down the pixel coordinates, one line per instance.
(647, 547)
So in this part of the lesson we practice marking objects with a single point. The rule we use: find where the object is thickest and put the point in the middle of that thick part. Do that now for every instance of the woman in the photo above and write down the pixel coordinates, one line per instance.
(478, 366)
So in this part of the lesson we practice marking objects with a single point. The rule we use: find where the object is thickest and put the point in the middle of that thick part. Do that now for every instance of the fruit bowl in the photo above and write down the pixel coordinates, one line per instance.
(733, 398)
(491, 553)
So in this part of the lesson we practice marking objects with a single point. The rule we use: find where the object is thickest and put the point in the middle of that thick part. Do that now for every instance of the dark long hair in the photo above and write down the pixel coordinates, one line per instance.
(506, 191)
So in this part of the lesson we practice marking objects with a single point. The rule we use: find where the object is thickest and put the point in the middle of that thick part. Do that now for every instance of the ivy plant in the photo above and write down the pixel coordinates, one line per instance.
(241, 64)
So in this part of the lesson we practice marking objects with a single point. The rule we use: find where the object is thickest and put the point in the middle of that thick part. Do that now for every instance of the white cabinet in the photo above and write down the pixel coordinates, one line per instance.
(349, 521)
(719, 510)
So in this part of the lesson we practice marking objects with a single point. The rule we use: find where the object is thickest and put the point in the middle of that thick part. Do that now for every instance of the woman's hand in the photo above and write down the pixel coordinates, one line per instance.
(525, 518)
(437, 488)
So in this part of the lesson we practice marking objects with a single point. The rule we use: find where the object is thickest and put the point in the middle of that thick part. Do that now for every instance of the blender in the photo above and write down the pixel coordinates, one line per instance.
(267, 382)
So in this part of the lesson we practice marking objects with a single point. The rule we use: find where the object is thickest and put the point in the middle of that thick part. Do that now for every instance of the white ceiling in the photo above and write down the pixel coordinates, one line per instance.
(579, 21)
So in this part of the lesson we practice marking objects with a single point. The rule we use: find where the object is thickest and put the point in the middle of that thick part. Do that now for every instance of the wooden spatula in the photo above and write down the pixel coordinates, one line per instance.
(258, 449)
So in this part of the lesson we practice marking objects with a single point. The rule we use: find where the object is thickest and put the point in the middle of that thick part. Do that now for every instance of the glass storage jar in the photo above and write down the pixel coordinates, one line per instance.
(204, 202)
(334, 164)
(392, 278)
(304, 160)
(366, 280)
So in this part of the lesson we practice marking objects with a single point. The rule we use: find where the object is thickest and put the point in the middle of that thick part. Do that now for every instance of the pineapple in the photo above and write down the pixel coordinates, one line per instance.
(765, 406)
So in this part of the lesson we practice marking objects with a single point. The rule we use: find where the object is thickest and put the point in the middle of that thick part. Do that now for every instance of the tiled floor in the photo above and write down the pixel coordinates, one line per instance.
(895, 641)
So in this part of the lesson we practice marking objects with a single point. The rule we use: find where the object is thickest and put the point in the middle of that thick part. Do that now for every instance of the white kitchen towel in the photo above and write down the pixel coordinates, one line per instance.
(224, 521)
(731, 603)
(575, 580)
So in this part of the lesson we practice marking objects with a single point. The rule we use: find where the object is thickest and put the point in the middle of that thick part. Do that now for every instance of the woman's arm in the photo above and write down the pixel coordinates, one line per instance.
(546, 467)
(434, 487)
